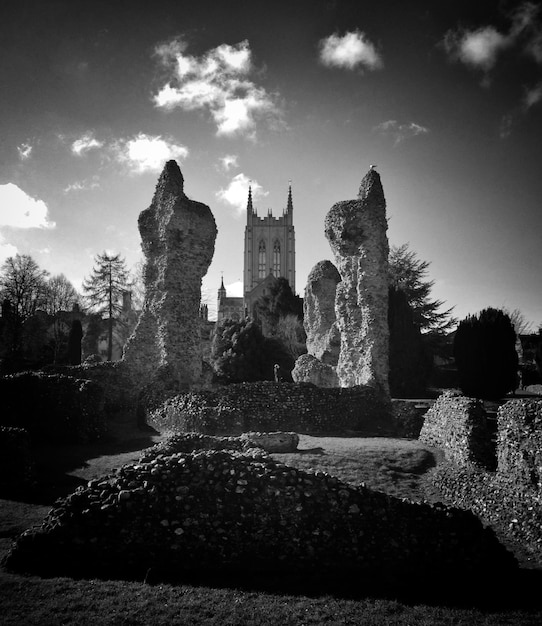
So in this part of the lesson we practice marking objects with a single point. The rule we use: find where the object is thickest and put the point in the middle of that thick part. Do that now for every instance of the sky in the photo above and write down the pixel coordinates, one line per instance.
(445, 98)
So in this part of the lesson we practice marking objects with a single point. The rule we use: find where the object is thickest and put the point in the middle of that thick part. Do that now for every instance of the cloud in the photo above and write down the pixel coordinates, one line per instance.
(147, 153)
(6, 250)
(24, 150)
(235, 289)
(228, 162)
(349, 51)
(219, 82)
(85, 143)
(19, 210)
(236, 193)
(480, 48)
(400, 132)
(532, 96)
(84, 185)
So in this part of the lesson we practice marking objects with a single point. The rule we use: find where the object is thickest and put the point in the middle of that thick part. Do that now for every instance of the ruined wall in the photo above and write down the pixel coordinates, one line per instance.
(519, 442)
(508, 495)
(178, 237)
(267, 406)
(356, 231)
(458, 425)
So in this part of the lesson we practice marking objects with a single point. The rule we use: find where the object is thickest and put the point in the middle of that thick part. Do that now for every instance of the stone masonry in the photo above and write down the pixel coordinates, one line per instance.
(356, 231)
(178, 239)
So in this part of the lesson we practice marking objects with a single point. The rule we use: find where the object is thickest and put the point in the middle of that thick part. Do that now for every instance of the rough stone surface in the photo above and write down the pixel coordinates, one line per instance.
(178, 238)
(268, 406)
(356, 231)
(320, 322)
(271, 442)
(519, 442)
(308, 369)
(216, 511)
(190, 442)
(508, 496)
(459, 426)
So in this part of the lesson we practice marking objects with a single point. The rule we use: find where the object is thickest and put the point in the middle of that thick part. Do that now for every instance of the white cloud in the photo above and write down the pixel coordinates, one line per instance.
(229, 161)
(236, 193)
(24, 150)
(219, 82)
(350, 51)
(147, 153)
(235, 289)
(83, 185)
(85, 143)
(478, 48)
(532, 96)
(6, 250)
(19, 210)
(400, 132)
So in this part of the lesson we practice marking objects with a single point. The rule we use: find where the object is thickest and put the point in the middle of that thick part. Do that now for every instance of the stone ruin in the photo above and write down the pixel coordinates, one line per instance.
(354, 314)
(178, 240)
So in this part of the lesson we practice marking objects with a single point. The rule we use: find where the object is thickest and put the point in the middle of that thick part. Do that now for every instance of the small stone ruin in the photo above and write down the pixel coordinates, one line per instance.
(356, 230)
(178, 240)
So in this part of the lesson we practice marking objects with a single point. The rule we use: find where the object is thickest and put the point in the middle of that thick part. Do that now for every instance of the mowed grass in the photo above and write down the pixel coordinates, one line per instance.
(391, 465)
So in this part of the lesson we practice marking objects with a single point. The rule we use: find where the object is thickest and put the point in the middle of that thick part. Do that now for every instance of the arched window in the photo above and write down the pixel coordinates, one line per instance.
(276, 258)
(261, 259)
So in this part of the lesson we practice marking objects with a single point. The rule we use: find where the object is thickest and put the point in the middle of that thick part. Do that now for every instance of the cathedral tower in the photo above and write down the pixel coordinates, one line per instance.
(269, 250)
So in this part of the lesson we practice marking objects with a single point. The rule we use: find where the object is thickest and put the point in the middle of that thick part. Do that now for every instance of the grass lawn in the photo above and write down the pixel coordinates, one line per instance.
(396, 466)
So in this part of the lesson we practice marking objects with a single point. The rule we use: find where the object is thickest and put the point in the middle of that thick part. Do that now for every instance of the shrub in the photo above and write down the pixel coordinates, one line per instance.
(15, 458)
(485, 355)
(53, 408)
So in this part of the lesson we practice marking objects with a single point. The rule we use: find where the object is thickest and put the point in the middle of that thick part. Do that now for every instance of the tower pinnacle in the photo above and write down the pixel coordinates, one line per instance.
(289, 205)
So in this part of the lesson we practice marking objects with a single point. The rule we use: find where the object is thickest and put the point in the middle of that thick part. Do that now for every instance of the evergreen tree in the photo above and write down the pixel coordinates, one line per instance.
(278, 303)
(408, 273)
(241, 353)
(485, 355)
(409, 361)
(104, 289)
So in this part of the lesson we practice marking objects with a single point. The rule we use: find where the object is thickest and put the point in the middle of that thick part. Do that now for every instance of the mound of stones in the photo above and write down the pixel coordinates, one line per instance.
(212, 511)
(189, 442)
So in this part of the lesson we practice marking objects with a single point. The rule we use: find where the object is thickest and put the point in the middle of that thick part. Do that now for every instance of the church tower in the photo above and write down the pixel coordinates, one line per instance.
(269, 250)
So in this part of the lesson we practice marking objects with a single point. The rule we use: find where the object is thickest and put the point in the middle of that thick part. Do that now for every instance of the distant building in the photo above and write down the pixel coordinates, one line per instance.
(269, 253)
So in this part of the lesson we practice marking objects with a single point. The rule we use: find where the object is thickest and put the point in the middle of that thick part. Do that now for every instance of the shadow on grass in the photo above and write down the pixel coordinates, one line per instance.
(53, 464)
(519, 590)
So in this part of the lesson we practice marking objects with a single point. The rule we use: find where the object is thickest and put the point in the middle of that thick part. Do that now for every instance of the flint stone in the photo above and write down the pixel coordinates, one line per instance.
(356, 231)
(309, 369)
(272, 442)
(178, 239)
(320, 321)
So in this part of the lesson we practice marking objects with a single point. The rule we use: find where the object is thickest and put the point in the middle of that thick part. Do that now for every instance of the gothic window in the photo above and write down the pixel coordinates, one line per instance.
(276, 259)
(261, 260)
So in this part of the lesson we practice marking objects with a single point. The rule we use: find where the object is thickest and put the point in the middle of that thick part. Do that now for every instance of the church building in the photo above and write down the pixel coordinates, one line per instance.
(269, 253)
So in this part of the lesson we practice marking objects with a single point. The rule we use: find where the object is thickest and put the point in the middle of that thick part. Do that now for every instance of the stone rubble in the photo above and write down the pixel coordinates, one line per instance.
(212, 511)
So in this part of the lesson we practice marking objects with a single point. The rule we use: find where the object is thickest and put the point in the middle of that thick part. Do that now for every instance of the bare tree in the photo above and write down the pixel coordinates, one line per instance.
(60, 295)
(521, 325)
(23, 285)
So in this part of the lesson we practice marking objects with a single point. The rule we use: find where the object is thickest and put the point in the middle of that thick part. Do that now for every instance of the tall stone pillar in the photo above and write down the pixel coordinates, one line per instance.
(356, 231)
(178, 240)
